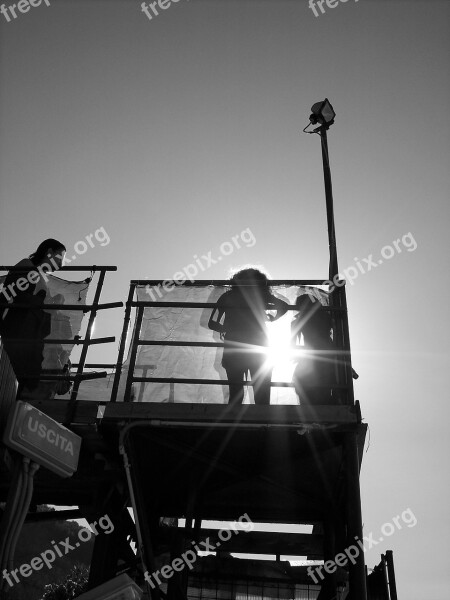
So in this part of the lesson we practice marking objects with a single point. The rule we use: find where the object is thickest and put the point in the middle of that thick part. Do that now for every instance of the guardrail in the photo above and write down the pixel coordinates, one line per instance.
(87, 340)
(337, 308)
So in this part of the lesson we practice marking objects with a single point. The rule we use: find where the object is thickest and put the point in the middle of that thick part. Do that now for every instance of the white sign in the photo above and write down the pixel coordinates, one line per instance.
(45, 441)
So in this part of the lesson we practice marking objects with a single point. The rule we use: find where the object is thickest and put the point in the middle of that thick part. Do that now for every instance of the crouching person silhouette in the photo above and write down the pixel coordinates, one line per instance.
(316, 367)
(245, 311)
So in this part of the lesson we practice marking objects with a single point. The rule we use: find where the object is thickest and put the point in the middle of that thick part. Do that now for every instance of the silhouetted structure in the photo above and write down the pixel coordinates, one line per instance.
(200, 462)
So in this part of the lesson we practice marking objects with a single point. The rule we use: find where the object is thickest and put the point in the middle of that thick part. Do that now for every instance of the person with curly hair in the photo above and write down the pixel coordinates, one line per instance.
(240, 317)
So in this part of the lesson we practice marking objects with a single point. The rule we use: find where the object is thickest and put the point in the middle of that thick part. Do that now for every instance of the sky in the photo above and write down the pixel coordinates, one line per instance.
(164, 138)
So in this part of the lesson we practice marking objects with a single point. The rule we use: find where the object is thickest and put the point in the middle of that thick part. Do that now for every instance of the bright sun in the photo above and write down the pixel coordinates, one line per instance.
(279, 353)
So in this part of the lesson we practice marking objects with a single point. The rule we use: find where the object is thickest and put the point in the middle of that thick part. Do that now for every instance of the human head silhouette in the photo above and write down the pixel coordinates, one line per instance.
(250, 276)
(50, 252)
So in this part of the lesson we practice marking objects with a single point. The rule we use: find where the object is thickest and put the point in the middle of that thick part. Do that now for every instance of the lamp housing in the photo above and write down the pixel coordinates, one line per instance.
(323, 113)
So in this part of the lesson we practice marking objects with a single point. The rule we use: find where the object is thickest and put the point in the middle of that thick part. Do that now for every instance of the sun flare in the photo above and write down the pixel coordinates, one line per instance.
(280, 354)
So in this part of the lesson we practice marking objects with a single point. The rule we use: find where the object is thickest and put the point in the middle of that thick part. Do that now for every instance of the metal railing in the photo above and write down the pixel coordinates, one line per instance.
(87, 341)
(337, 308)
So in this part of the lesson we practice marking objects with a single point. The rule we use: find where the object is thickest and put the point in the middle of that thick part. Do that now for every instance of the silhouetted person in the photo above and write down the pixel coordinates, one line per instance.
(316, 367)
(244, 310)
(28, 286)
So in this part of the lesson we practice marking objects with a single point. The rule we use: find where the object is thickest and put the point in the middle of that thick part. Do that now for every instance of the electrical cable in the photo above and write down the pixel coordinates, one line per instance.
(11, 503)
(17, 509)
(88, 281)
(33, 467)
(14, 495)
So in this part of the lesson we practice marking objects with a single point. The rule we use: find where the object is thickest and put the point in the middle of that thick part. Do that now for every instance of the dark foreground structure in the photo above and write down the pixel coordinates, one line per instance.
(180, 464)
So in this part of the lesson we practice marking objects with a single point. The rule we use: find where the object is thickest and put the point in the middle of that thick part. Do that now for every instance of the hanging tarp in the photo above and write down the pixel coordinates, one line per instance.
(183, 324)
(63, 324)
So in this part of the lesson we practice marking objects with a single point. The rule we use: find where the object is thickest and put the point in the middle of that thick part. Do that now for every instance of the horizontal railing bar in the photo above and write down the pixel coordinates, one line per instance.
(147, 303)
(65, 268)
(97, 365)
(63, 342)
(224, 282)
(174, 343)
(83, 307)
(226, 382)
(105, 305)
(103, 340)
(76, 377)
(333, 353)
(94, 268)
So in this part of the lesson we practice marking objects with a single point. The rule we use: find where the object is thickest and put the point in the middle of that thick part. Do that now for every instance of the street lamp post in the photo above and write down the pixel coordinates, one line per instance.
(323, 113)
(333, 267)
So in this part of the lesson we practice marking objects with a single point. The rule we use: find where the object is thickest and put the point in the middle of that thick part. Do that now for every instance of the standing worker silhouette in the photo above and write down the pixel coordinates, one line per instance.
(245, 312)
(316, 368)
(27, 286)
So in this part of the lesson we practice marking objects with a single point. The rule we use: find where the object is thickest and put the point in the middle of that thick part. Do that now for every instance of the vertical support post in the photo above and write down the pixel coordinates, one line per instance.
(87, 337)
(357, 572)
(385, 590)
(391, 575)
(345, 356)
(188, 531)
(134, 348)
(123, 341)
(329, 586)
(109, 550)
(175, 589)
(143, 531)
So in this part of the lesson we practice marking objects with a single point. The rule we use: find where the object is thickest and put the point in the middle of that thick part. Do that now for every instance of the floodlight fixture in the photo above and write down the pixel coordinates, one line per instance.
(322, 113)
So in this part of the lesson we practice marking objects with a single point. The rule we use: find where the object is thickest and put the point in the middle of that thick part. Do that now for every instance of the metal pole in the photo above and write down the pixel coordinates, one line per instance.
(86, 342)
(343, 341)
(333, 266)
(143, 537)
(123, 341)
(329, 585)
(87, 337)
(391, 574)
(357, 571)
(133, 354)
(385, 590)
